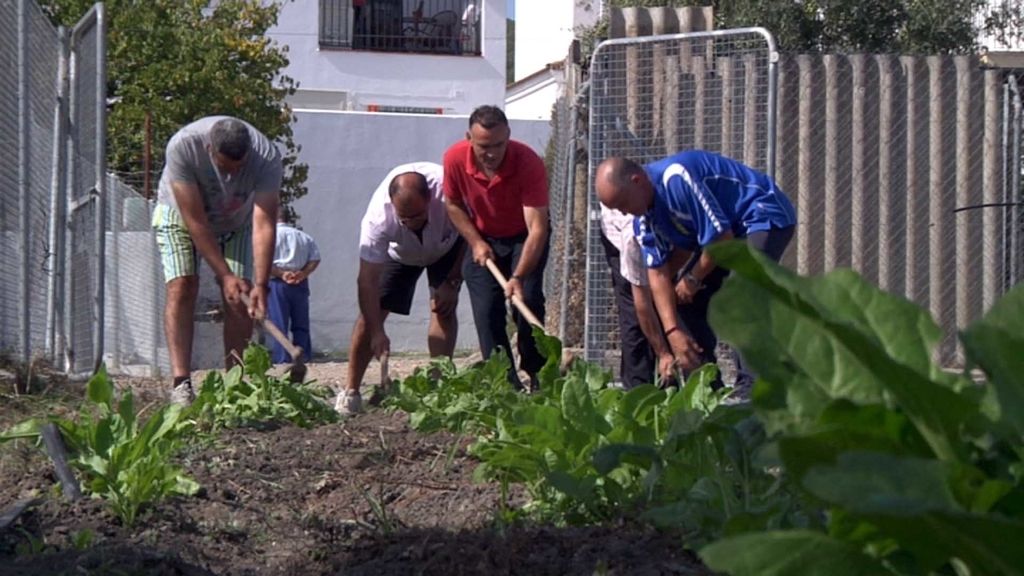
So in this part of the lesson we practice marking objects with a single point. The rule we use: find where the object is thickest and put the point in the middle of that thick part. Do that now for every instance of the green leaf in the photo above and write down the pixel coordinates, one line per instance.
(843, 427)
(578, 407)
(995, 343)
(837, 337)
(27, 429)
(100, 389)
(608, 458)
(551, 349)
(783, 553)
(986, 544)
(866, 483)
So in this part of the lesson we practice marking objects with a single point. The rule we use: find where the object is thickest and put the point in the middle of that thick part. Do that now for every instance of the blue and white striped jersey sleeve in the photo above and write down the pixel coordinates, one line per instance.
(655, 249)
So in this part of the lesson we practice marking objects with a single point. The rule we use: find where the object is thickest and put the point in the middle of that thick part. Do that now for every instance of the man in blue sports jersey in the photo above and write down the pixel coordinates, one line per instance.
(682, 204)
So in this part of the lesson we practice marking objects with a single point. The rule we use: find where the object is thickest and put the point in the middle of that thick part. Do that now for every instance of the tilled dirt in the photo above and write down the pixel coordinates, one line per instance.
(364, 496)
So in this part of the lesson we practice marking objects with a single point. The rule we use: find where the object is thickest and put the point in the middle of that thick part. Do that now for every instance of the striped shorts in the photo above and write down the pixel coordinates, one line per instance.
(178, 253)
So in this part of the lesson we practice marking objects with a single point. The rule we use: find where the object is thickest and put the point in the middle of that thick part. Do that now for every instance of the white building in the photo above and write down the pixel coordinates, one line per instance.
(383, 84)
(432, 56)
(545, 31)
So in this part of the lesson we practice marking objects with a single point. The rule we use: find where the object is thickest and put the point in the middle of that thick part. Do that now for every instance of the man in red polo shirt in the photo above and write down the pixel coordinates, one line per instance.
(497, 193)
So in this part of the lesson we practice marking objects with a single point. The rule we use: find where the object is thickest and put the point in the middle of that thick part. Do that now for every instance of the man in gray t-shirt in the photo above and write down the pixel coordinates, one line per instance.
(218, 197)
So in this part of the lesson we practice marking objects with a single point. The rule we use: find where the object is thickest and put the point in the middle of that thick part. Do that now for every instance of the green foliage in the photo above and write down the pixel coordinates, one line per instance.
(246, 396)
(180, 60)
(439, 396)
(920, 469)
(904, 26)
(123, 460)
(589, 453)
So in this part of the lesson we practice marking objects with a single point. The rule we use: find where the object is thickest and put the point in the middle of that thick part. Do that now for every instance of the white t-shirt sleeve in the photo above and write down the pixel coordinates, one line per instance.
(631, 259)
(373, 242)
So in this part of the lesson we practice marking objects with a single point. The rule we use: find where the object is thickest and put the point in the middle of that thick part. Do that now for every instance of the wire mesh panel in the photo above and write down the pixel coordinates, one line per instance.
(30, 52)
(134, 341)
(655, 96)
(86, 183)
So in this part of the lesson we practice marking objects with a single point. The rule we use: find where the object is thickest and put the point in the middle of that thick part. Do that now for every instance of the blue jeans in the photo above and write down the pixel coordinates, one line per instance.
(289, 308)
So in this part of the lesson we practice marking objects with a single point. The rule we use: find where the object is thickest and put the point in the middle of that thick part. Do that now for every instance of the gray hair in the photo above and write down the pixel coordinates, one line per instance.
(230, 137)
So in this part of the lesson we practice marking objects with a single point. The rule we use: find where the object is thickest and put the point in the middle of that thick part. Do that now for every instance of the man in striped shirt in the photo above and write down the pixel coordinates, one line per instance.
(682, 204)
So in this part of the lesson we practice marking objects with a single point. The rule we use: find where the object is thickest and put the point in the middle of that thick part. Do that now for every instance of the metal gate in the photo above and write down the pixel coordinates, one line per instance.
(86, 194)
(654, 96)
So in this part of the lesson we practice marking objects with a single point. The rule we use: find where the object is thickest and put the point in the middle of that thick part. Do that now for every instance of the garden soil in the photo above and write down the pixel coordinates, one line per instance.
(364, 496)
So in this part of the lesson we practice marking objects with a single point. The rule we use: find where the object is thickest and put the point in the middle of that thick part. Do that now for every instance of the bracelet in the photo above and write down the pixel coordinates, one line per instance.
(671, 330)
(454, 282)
(516, 278)
(693, 280)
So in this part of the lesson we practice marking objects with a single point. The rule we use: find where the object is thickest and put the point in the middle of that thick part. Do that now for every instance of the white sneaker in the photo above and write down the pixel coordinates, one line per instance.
(183, 394)
(349, 402)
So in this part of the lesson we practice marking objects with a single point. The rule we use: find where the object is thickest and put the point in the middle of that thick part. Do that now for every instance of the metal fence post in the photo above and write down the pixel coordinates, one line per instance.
(24, 175)
(101, 180)
(55, 304)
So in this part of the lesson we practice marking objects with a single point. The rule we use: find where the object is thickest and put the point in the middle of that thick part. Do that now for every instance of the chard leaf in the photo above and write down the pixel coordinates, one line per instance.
(996, 344)
(837, 337)
(782, 553)
(100, 389)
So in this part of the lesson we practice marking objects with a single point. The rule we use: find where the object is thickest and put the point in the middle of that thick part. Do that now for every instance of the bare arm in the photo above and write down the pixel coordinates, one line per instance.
(459, 216)
(684, 348)
(648, 319)
(368, 283)
(264, 233)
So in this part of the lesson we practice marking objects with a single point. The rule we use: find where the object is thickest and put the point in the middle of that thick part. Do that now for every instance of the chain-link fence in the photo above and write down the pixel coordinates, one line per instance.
(654, 96)
(906, 169)
(135, 295)
(565, 288)
(52, 103)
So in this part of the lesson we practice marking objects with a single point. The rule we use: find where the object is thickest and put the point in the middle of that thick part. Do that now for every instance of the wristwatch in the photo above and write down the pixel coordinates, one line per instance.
(693, 281)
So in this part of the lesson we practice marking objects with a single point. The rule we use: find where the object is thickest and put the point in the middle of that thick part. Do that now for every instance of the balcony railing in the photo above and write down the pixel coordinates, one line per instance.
(419, 26)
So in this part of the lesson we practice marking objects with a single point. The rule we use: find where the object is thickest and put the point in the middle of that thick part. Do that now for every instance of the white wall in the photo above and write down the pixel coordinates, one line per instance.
(348, 155)
(535, 102)
(546, 28)
(455, 83)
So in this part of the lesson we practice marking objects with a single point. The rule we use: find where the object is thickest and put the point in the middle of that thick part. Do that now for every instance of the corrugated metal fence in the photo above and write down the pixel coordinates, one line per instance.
(901, 168)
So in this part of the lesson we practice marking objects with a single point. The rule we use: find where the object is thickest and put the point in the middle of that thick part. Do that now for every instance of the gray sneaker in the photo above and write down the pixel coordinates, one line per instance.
(183, 394)
(349, 402)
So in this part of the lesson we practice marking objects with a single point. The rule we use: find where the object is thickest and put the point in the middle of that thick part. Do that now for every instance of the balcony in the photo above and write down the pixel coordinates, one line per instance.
(449, 27)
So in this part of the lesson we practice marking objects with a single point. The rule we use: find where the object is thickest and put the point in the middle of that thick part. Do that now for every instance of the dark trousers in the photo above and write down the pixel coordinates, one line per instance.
(288, 308)
(488, 301)
(636, 366)
(695, 314)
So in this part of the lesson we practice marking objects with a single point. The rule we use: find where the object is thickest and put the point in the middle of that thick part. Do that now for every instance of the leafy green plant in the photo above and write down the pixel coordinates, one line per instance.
(246, 395)
(124, 460)
(589, 453)
(920, 470)
(441, 397)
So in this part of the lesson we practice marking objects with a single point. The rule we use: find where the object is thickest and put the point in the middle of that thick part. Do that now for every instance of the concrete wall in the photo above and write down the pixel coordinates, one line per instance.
(348, 155)
(456, 84)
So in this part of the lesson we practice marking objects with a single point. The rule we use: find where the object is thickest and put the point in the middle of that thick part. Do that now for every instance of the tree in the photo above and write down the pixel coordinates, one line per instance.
(903, 26)
(180, 60)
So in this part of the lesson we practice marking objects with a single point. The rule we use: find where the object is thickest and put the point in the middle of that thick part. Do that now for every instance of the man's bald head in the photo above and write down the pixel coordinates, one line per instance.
(410, 196)
(623, 185)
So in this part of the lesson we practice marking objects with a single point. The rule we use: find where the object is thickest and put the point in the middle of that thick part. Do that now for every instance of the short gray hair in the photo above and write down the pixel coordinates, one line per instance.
(230, 137)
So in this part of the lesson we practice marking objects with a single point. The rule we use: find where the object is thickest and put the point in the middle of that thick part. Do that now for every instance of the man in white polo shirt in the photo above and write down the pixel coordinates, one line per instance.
(640, 338)
(404, 231)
